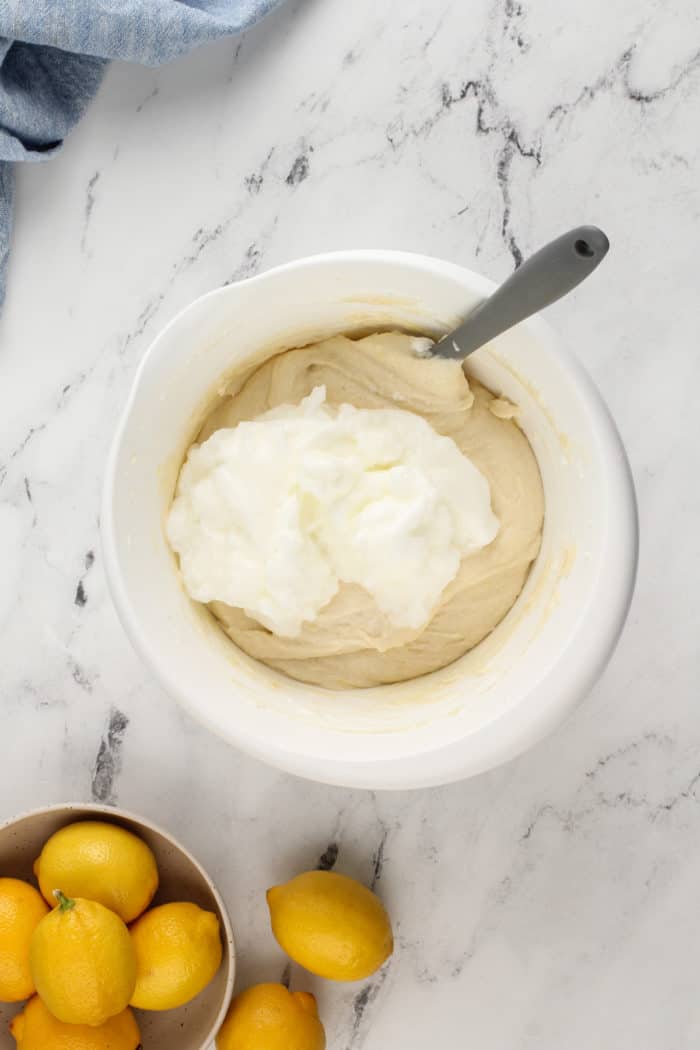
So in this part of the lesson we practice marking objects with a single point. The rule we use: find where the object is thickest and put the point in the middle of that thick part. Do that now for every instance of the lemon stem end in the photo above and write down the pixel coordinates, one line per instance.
(64, 903)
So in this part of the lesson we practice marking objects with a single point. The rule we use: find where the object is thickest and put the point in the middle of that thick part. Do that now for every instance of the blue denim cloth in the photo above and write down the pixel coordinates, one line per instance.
(53, 54)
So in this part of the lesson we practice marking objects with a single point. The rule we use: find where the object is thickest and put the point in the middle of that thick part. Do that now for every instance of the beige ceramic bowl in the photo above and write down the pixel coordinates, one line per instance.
(192, 1027)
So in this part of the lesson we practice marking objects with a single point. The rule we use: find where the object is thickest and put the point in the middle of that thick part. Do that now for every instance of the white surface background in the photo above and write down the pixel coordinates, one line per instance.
(553, 902)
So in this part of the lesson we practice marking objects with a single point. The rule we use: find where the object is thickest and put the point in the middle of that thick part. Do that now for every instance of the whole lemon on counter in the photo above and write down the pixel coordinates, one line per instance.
(331, 925)
(37, 1029)
(269, 1017)
(99, 862)
(178, 952)
(83, 962)
(21, 910)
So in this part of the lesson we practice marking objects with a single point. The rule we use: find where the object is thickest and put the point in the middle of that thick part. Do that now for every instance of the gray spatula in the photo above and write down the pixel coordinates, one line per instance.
(538, 282)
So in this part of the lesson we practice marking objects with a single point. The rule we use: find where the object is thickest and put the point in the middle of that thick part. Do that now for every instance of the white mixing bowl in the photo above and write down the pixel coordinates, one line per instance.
(506, 693)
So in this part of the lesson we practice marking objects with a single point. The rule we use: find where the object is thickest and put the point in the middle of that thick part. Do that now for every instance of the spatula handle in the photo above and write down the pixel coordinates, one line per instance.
(538, 282)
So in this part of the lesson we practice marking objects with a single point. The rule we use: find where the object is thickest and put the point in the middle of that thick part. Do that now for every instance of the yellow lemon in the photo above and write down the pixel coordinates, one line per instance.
(82, 962)
(268, 1017)
(100, 862)
(37, 1029)
(331, 925)
(21, 910)
(178, 951)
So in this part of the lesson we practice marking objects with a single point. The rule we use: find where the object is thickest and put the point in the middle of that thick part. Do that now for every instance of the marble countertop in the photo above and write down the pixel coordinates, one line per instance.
(553, 902)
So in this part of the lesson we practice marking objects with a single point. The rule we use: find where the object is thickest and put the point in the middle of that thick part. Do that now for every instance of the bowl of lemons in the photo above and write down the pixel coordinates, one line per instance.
(112, 936)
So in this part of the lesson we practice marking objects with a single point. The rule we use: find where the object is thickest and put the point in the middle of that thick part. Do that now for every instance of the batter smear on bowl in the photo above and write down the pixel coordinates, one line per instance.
(354, 515)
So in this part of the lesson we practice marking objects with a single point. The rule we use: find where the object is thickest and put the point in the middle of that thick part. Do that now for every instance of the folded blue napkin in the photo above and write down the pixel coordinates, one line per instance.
(53, 54)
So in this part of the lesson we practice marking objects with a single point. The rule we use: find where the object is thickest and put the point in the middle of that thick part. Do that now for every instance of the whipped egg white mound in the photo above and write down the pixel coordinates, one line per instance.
(354, 514)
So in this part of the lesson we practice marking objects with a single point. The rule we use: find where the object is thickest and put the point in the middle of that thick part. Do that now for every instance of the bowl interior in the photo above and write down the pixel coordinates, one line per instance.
(193, 1026)
(502, 695)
